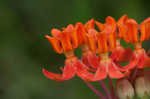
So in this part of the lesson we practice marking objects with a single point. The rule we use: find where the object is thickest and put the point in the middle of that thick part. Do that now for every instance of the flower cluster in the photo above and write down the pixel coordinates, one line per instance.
(103, 55)
(102, 52)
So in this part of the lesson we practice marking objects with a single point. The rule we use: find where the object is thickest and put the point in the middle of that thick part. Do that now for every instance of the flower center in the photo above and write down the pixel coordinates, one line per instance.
(137, 45)
(104, 56)
(85, 48)
(69, 54)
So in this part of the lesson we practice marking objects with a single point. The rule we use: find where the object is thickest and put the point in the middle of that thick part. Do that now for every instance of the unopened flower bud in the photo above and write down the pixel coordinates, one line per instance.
(124, 89)
(142, 87)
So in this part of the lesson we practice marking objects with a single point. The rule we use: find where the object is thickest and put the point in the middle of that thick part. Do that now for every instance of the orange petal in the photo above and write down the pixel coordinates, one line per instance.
(74, 39)
(92, 43)
(93, 33)
(100, 26)
(89, 25)
(121, 27)
(145, 29)
(112, 41)
(132, 30)
(114, 72)
(73, 35)
(55, 44)
(110, 25)
(69, 28)
(123, 32)
(102, 43)
(55, 33)
(65, 41)
(122, 20)
(81, 33)
(69, 70)
(110, 20)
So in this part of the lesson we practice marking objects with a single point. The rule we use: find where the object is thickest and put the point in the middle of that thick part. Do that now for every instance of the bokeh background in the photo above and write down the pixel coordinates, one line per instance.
(24, 51)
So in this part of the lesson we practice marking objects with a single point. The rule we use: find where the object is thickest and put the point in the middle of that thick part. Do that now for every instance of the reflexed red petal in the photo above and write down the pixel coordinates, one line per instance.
(137, 60)
(126, 55)
(99, 58)
(89, 59)
(93, 60)
(84, 59)
(83, 73)
(143, 58)
(123, 55)
(69, 71)
(53, 76)
(100, 73)
(117, 53)
(114, 72)
(132, 64)
(147, 62)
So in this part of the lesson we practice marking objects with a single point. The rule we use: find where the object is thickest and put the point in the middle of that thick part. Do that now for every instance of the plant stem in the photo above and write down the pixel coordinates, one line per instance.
(102, 84)
(98, 93)
(111, 88)
(133, 75)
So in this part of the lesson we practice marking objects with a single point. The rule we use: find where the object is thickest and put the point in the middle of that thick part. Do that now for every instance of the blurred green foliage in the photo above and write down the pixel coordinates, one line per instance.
(24, 51)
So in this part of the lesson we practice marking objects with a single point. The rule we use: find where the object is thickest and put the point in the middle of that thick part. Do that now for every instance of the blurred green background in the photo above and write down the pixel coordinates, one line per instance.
(24, 51)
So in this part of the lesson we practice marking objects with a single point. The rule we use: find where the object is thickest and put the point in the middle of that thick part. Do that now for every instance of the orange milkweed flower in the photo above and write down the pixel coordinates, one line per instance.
(64, 41)
(88, 58)
(106, 41)
(137, 33)
(121, 54)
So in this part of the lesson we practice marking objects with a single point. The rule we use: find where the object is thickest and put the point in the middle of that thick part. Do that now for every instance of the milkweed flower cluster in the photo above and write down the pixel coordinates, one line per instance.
(102, 53)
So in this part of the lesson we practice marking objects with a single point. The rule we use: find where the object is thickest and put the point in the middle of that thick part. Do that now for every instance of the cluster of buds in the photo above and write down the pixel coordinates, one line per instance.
(102, 53)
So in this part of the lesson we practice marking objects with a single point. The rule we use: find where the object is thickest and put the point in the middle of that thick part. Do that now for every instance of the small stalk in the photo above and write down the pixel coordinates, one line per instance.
(102, 84)
(111, 88)
(97, 92)
(133, 75)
